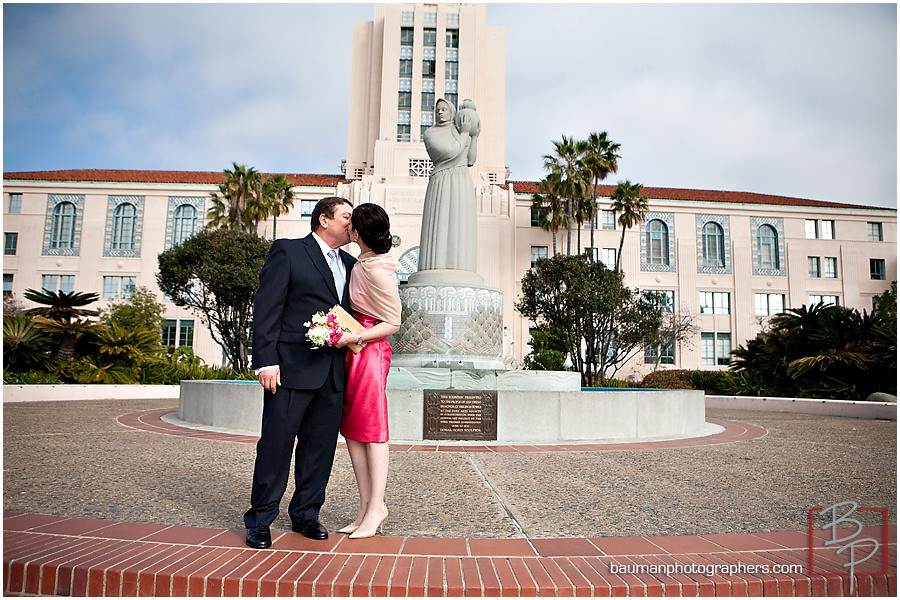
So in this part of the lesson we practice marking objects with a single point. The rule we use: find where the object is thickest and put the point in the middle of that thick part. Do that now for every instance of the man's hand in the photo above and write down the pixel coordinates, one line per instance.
(270, 379)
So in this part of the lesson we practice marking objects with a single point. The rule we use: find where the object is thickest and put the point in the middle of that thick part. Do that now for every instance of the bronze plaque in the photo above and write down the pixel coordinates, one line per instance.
(460, 415)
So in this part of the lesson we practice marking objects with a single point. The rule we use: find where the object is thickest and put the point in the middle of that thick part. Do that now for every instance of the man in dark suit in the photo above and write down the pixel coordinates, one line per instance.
(304, 386)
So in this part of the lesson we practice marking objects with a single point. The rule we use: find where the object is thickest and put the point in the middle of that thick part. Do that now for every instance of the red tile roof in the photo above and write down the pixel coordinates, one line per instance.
(657, 193)
(527, 187)
(129, 176)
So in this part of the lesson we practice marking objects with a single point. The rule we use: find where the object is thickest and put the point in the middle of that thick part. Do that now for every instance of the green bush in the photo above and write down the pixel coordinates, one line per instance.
(675, 379)
(30, 378)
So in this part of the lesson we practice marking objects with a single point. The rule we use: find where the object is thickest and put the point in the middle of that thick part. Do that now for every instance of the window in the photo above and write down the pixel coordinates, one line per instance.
(827, 230)
(715, 348)
(406, 68)
(665, 299)
(406, 36)
(117, 286)
(812, 229)
(535, 217)
(452, 38)
(538, 252)
(407, 16)
(815, 299)
(15, 204)
(451, 71)
(404, 133)
(830, 270)
(608, 219)
(657, 243)
(876, 268)
(608, 258)
(715, 303)
(453, 19)
(186, 333)
(814, 267)
(177, 333)
(713, 245)
(665, 352)
(307, 207)
(10, 243)
(427, 101)
(184, 224)
(876, 232)
(58, 283)
(428, 68)
(62, 226)
(769, 304)
(7, 284)
(404, 100)
(123, 227)
(768, 247)
(429, 38)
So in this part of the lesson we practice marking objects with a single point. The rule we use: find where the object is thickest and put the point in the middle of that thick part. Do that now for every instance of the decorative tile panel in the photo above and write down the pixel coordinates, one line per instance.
(724, 222)
(669, 220)
(778, 224)
(113, 202)
(53, 200)
(198, 202)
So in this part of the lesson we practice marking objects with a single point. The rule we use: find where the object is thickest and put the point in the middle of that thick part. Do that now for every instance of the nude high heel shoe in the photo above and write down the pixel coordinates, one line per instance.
(358, 535)
(349, 528)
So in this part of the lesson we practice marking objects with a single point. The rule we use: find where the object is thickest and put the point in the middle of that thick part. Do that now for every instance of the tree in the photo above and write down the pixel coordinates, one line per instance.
(239, 204)
(25, 347)
(215, 273)
(631, 207)
(677, 329)
(59, 314)
(606, 323)
(551, 211)
(567, 178)
(821, 351)
(140, 311)
(599, 156)
(279, 198)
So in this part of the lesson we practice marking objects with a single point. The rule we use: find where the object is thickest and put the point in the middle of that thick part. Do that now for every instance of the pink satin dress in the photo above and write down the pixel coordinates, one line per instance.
(365, 417)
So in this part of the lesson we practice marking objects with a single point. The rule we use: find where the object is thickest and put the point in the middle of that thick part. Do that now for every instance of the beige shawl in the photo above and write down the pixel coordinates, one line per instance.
(373, 287)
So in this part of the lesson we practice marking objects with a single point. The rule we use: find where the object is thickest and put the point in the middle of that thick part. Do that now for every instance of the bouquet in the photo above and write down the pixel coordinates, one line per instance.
(326, 328)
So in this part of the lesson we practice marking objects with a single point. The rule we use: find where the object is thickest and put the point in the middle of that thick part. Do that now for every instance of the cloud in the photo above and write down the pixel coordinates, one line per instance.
(790, 99)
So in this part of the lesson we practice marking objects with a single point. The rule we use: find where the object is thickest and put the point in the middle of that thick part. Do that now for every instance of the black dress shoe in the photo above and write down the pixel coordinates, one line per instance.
(259, 537)
(311, 528)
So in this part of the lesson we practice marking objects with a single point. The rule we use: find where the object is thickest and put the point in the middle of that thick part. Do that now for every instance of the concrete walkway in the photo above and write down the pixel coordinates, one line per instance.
(106, 498)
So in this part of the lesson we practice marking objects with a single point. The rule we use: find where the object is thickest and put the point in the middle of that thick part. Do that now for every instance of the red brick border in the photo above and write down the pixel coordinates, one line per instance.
(735, 431)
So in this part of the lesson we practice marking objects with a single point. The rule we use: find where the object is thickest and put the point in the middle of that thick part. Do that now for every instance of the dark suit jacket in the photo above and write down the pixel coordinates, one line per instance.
(294, 283)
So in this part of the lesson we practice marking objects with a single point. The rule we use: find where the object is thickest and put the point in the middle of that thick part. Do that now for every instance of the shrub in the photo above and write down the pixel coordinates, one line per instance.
(675, 379)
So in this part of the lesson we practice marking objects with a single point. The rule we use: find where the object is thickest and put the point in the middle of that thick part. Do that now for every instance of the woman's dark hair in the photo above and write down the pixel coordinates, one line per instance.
(373, 226)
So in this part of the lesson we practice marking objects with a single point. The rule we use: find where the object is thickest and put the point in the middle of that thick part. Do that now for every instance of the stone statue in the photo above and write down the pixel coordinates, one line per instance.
(449, 236)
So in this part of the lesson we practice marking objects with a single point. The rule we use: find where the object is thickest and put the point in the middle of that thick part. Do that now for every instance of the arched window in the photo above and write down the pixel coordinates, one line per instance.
(123, 227)
(768, 247)
(62, 228)
(185, 222)
(657, 243)
(713, 245)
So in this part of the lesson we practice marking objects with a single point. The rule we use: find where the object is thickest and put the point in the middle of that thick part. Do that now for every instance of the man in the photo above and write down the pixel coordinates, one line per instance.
(304, 386)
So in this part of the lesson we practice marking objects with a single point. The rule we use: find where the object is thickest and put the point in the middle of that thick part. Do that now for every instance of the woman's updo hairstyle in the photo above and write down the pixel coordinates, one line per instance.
(372, 224)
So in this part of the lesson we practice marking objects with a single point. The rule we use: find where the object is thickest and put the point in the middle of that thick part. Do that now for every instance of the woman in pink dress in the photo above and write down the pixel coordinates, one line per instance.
(375, 299)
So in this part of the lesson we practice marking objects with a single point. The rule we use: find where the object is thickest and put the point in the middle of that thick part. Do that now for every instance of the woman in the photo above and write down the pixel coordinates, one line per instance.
(449, 217)
(375, 300)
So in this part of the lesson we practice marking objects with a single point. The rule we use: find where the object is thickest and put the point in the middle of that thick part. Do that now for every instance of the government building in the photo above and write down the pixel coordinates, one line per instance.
(727, 259)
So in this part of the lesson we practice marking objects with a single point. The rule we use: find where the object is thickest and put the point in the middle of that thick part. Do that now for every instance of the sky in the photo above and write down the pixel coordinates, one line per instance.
(794, 100)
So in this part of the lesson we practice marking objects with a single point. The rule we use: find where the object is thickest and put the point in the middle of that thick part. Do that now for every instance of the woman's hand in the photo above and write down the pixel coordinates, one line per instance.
(347, 338)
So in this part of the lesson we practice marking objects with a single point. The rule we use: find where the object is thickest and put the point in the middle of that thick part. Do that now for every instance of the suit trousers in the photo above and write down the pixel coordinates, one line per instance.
(312, 417)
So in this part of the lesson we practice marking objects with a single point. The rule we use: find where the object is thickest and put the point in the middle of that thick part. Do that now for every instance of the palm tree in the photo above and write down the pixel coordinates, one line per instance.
(59, 314)
(566, 178)
(279, 192)
(240, 205)
(599, 156)
(631, 207)
(551, 211)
